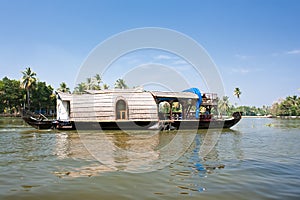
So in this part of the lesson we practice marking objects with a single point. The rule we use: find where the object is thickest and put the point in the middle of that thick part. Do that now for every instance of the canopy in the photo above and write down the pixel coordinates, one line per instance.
(166, 96)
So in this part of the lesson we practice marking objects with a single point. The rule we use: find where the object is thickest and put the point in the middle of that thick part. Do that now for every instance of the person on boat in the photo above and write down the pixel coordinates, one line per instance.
(204, 98)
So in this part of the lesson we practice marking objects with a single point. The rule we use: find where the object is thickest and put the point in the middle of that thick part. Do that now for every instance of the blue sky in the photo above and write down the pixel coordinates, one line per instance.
(255, 44)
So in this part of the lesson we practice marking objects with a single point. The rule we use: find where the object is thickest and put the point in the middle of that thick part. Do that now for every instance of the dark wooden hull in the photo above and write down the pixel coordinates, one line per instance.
(38, 124)
(209, 124)
(157, 125)
(135, 125)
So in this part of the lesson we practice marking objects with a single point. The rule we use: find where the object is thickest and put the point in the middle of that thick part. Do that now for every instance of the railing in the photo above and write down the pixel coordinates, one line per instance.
(209, 99)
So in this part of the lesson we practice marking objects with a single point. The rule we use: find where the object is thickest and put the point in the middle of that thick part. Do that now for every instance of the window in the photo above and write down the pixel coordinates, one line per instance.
(121, 109)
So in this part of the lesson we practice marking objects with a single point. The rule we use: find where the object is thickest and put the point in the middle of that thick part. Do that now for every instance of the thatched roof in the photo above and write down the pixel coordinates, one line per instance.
(175, 95)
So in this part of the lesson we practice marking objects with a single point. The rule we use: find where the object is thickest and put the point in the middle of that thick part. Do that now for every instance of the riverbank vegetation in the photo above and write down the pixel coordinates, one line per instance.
(290, 106)
(39, 97)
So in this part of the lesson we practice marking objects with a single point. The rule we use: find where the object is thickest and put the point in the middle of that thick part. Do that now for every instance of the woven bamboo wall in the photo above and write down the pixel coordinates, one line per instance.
(102, 106)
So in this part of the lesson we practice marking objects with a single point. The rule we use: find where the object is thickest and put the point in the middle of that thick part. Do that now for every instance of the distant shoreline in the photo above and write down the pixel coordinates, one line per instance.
(262, 116)
(10, 115)
(277, 117)
(18, 115)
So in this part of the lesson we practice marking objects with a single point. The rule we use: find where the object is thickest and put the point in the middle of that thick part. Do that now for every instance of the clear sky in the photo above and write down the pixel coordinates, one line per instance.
(255, 44)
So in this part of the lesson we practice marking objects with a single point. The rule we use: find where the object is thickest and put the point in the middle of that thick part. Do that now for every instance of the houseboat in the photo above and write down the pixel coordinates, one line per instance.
(131, 109)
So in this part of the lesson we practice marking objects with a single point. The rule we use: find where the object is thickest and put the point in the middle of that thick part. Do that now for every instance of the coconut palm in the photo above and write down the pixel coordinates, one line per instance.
(105, 86)
(223, 104)
(291, 102)
(63, 88)
(98, 80)
(81, 87)
(120, 83)
(89, 83)
(28, 81)
(237, 92)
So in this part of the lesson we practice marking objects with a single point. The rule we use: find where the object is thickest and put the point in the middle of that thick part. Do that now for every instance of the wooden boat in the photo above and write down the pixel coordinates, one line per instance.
(132, 109)
(38, 123)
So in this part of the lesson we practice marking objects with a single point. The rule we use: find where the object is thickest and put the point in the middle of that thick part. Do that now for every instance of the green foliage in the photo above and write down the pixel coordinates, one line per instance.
(28, 83)
(38, 96)
(105, 86)
(93, 83)
(251, 110)
(290, 106)
(29, 78)
(120, 84)
(224, 105)
(11, 97)
(80, 88)
(237, 92)
(226, 108)
(63, 88)
(42, 98)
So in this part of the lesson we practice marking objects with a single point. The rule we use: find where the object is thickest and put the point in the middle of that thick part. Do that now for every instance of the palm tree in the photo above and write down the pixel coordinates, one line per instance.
(291, 102)
(63, 88)
(89, 83)
(120, 83)
(28, 80)
(81, 87)
(98, 80)
(105, 86)
(223, 104)
(237, 92)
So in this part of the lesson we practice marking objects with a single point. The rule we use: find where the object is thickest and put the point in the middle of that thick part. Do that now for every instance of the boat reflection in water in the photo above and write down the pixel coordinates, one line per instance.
(134, 151)
(140, 151)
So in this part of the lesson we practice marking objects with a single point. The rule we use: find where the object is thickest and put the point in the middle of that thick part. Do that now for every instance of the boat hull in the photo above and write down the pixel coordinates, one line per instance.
(38, 124)
(135, 125)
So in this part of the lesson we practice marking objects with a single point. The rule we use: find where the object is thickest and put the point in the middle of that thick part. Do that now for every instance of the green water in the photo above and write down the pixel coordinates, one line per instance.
(256, 159)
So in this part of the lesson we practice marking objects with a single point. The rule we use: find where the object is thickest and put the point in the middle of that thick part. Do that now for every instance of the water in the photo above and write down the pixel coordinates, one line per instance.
(256, 159)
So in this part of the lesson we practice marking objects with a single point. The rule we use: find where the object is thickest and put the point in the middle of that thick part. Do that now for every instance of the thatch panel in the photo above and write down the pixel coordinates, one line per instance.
(92, 101)
(86, 97)
(142, 111)
(143, 117)
(91, 105)
(107, 118)
(93, 109)
(144, 107)
(94, 113)
(141, 103)
(97, 107)
(78, 119)
(83, 115)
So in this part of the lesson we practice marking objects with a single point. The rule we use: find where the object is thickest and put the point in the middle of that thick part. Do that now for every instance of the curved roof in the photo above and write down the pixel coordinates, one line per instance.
(177, 95)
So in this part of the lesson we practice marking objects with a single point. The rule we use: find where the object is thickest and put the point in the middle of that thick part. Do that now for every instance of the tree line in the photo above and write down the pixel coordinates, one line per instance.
(290, 106)
(29, 93)
(37, 96)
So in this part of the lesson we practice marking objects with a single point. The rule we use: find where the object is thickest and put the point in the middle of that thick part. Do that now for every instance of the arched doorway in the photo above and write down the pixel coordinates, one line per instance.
(121, 110)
